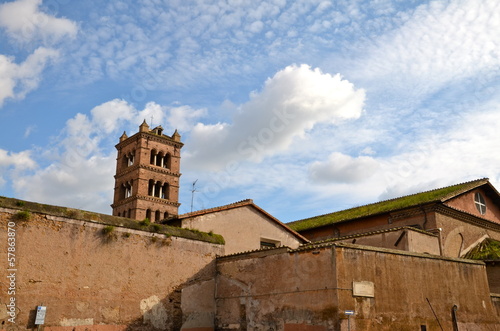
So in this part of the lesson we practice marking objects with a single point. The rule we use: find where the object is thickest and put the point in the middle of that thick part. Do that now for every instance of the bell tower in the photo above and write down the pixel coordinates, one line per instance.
(147, 175)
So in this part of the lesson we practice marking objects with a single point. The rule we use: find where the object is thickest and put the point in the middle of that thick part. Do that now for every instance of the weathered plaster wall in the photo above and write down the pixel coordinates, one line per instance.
(493, 272)
(242, 228)
(125, 279)
(311, 289)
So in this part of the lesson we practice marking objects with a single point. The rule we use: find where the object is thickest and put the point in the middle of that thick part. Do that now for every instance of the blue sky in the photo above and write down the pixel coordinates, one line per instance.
(306, 107)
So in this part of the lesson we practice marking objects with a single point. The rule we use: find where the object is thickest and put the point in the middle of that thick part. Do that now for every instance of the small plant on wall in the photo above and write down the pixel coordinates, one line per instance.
(108, 233)
(144, 222)
(22, 215)
(108, 229)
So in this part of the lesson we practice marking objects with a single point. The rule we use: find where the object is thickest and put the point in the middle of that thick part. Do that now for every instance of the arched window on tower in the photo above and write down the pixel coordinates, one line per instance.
(157, 192)
(153, 157)
(148, 214)
(165, 215)
(131, 158)
(159, 159)
(127, 190)
(165, 191)
(151, 187)
(167, 161)
(157, 216)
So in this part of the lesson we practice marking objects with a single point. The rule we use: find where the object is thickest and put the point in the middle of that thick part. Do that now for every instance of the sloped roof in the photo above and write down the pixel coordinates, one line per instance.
(413, 200)
(488, 249)
(242, 203)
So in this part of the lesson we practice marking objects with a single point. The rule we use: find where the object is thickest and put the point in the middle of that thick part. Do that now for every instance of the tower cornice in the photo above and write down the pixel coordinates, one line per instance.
(160, 170)
(149, 136)
(145, 198)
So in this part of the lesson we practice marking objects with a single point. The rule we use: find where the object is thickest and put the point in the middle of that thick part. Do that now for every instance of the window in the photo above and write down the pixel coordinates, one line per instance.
(480, 203)
(268, 243)
(131, 160)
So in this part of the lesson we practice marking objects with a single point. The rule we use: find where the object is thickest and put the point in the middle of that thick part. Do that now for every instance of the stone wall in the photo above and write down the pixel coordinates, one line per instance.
(313, 289)
(96, 276)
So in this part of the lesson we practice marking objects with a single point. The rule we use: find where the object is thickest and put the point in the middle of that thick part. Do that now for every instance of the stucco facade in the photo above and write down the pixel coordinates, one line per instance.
(244, 226)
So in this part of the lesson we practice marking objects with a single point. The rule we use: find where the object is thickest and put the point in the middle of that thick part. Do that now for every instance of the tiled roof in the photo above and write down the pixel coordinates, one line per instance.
(413, 200)
(245, 202)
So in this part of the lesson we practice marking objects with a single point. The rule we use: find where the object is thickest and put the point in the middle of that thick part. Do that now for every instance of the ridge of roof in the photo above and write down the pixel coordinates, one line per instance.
(246, 202)
(370, 233)
(436, 195)
(216, 209)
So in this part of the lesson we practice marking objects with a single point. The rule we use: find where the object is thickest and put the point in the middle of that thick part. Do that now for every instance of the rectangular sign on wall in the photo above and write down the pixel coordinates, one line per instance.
(363, 289)
(40, 315)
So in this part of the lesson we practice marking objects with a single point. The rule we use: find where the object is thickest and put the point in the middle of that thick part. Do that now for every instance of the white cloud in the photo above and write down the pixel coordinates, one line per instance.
(441, 42)
(465, 151)
(16, 80)
(108, 116)
(25, 23)
(86, 183)
(292, 102)
(183, 117)
(341, 168)
(21, 160)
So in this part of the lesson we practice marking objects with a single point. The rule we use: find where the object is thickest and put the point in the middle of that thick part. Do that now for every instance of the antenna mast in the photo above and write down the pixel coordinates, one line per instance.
(192, 194)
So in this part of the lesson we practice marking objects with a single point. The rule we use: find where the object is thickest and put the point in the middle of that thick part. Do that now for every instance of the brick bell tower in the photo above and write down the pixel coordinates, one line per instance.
(147, 175)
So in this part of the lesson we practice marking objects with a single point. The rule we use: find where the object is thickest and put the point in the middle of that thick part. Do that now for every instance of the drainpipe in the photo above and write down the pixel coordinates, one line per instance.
(438, 230)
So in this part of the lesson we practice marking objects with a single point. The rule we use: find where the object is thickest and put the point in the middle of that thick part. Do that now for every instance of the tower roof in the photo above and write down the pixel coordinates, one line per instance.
(123, 136)
(176, 136)
(144, 127)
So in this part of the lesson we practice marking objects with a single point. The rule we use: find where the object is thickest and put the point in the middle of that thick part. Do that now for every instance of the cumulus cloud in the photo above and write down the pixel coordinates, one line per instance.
(21, 160)
(292, 102)
(14, 163)
(25, 23)
(16, 80)
(341, 168)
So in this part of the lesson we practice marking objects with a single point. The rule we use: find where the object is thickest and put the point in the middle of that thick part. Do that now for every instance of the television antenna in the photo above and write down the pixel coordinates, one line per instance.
(192, 194)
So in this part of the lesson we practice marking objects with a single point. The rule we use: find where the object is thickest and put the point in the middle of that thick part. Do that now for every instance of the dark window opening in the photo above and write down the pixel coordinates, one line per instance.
(266, 245)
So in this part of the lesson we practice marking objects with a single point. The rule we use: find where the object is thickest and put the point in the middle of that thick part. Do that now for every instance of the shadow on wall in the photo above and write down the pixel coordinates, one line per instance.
(191, 304)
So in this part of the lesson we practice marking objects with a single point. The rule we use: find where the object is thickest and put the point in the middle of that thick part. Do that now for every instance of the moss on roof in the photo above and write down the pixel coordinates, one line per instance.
(488, 249)
(87, 216)
(437, 195)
